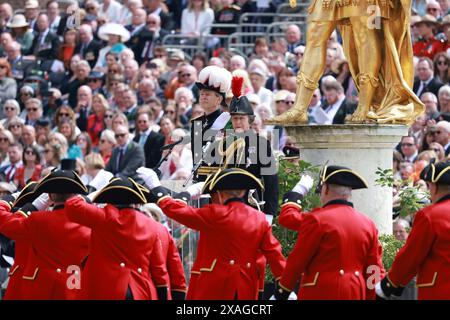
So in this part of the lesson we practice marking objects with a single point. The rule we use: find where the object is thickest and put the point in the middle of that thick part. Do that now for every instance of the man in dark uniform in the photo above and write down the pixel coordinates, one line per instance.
(213, 84)
(427, 248)
(336, 244)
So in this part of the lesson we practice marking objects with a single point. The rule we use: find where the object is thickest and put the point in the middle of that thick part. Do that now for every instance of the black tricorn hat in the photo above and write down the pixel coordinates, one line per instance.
(291, 152)
(436, 172)
(341, 176)
(27, 195)
(62, 181)
(122, 191)
(233, 179)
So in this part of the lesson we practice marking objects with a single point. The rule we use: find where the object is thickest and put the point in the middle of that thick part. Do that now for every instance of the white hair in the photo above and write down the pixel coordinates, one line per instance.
(239, 60)
(444, 89)
(185, 90)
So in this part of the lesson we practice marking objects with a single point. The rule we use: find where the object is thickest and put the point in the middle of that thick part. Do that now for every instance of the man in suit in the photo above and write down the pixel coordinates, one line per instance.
(426, 250)
(20, 67)
(442, 135)
(149, 140)
(127, 156)
(15, 158)
(147, 39)
(336, 244)
(336, 106)
(425, 81)
(45, 43)
(138, 20)
(88, 48)
(409, 148)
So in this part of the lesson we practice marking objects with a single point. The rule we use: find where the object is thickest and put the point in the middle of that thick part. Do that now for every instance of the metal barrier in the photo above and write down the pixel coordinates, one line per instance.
(244, 41)
(189, 44)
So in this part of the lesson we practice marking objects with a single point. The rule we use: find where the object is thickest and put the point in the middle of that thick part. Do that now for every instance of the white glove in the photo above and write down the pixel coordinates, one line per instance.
(42, 202)
(195, 190)
(149, 176)
(379, 292)
(101, 179)
(304, 185)
(15, 195)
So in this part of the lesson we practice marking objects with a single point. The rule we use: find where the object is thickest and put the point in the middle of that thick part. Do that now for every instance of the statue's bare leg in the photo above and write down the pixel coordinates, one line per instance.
(311, 69)
(367, 42)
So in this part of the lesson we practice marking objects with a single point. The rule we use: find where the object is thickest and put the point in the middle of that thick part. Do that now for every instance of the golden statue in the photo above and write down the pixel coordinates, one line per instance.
(377, 43)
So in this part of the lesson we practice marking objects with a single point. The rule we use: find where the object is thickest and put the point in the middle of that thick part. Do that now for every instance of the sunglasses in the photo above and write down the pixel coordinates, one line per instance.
(64, 115)
(90, 8)
(109, 116)
(120, 135)
(29, 152)
(442, 62)
(432, 9)
(142, 121)
(15, 126)
(4, 139)
(9, 109)
(407, 144)
(435, 132)
(32, 109)
(93, 80)
(47, 150)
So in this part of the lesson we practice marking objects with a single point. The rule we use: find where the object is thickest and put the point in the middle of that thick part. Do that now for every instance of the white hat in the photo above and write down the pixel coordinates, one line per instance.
(254, 98)
(258, 71)
(18, 21)
(113, 29)
(31, 4)
(214, 78)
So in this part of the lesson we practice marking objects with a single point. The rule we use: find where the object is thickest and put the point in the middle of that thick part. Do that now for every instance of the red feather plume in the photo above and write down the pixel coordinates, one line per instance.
(236, 86)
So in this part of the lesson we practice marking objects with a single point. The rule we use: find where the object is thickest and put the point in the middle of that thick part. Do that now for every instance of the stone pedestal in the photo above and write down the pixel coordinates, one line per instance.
(363, 148)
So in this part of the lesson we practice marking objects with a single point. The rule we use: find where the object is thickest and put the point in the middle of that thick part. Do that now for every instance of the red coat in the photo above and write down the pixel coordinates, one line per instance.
(291, 216)
(125, 251)
(56, 243)
(335, 246)
(175, 270)
(428, 48)
(232, 237)
(15, 284)
(426, 253)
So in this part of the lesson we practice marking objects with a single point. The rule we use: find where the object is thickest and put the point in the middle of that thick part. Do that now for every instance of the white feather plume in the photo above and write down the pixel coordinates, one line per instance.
(216, 77)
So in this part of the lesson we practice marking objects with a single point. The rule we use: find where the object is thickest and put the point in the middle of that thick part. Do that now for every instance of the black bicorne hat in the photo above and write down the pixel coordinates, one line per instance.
(341, 176)
(291, 152)
(122, 191)
(62, 181)
(436, 172)
(232, 179)
(27, 195)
